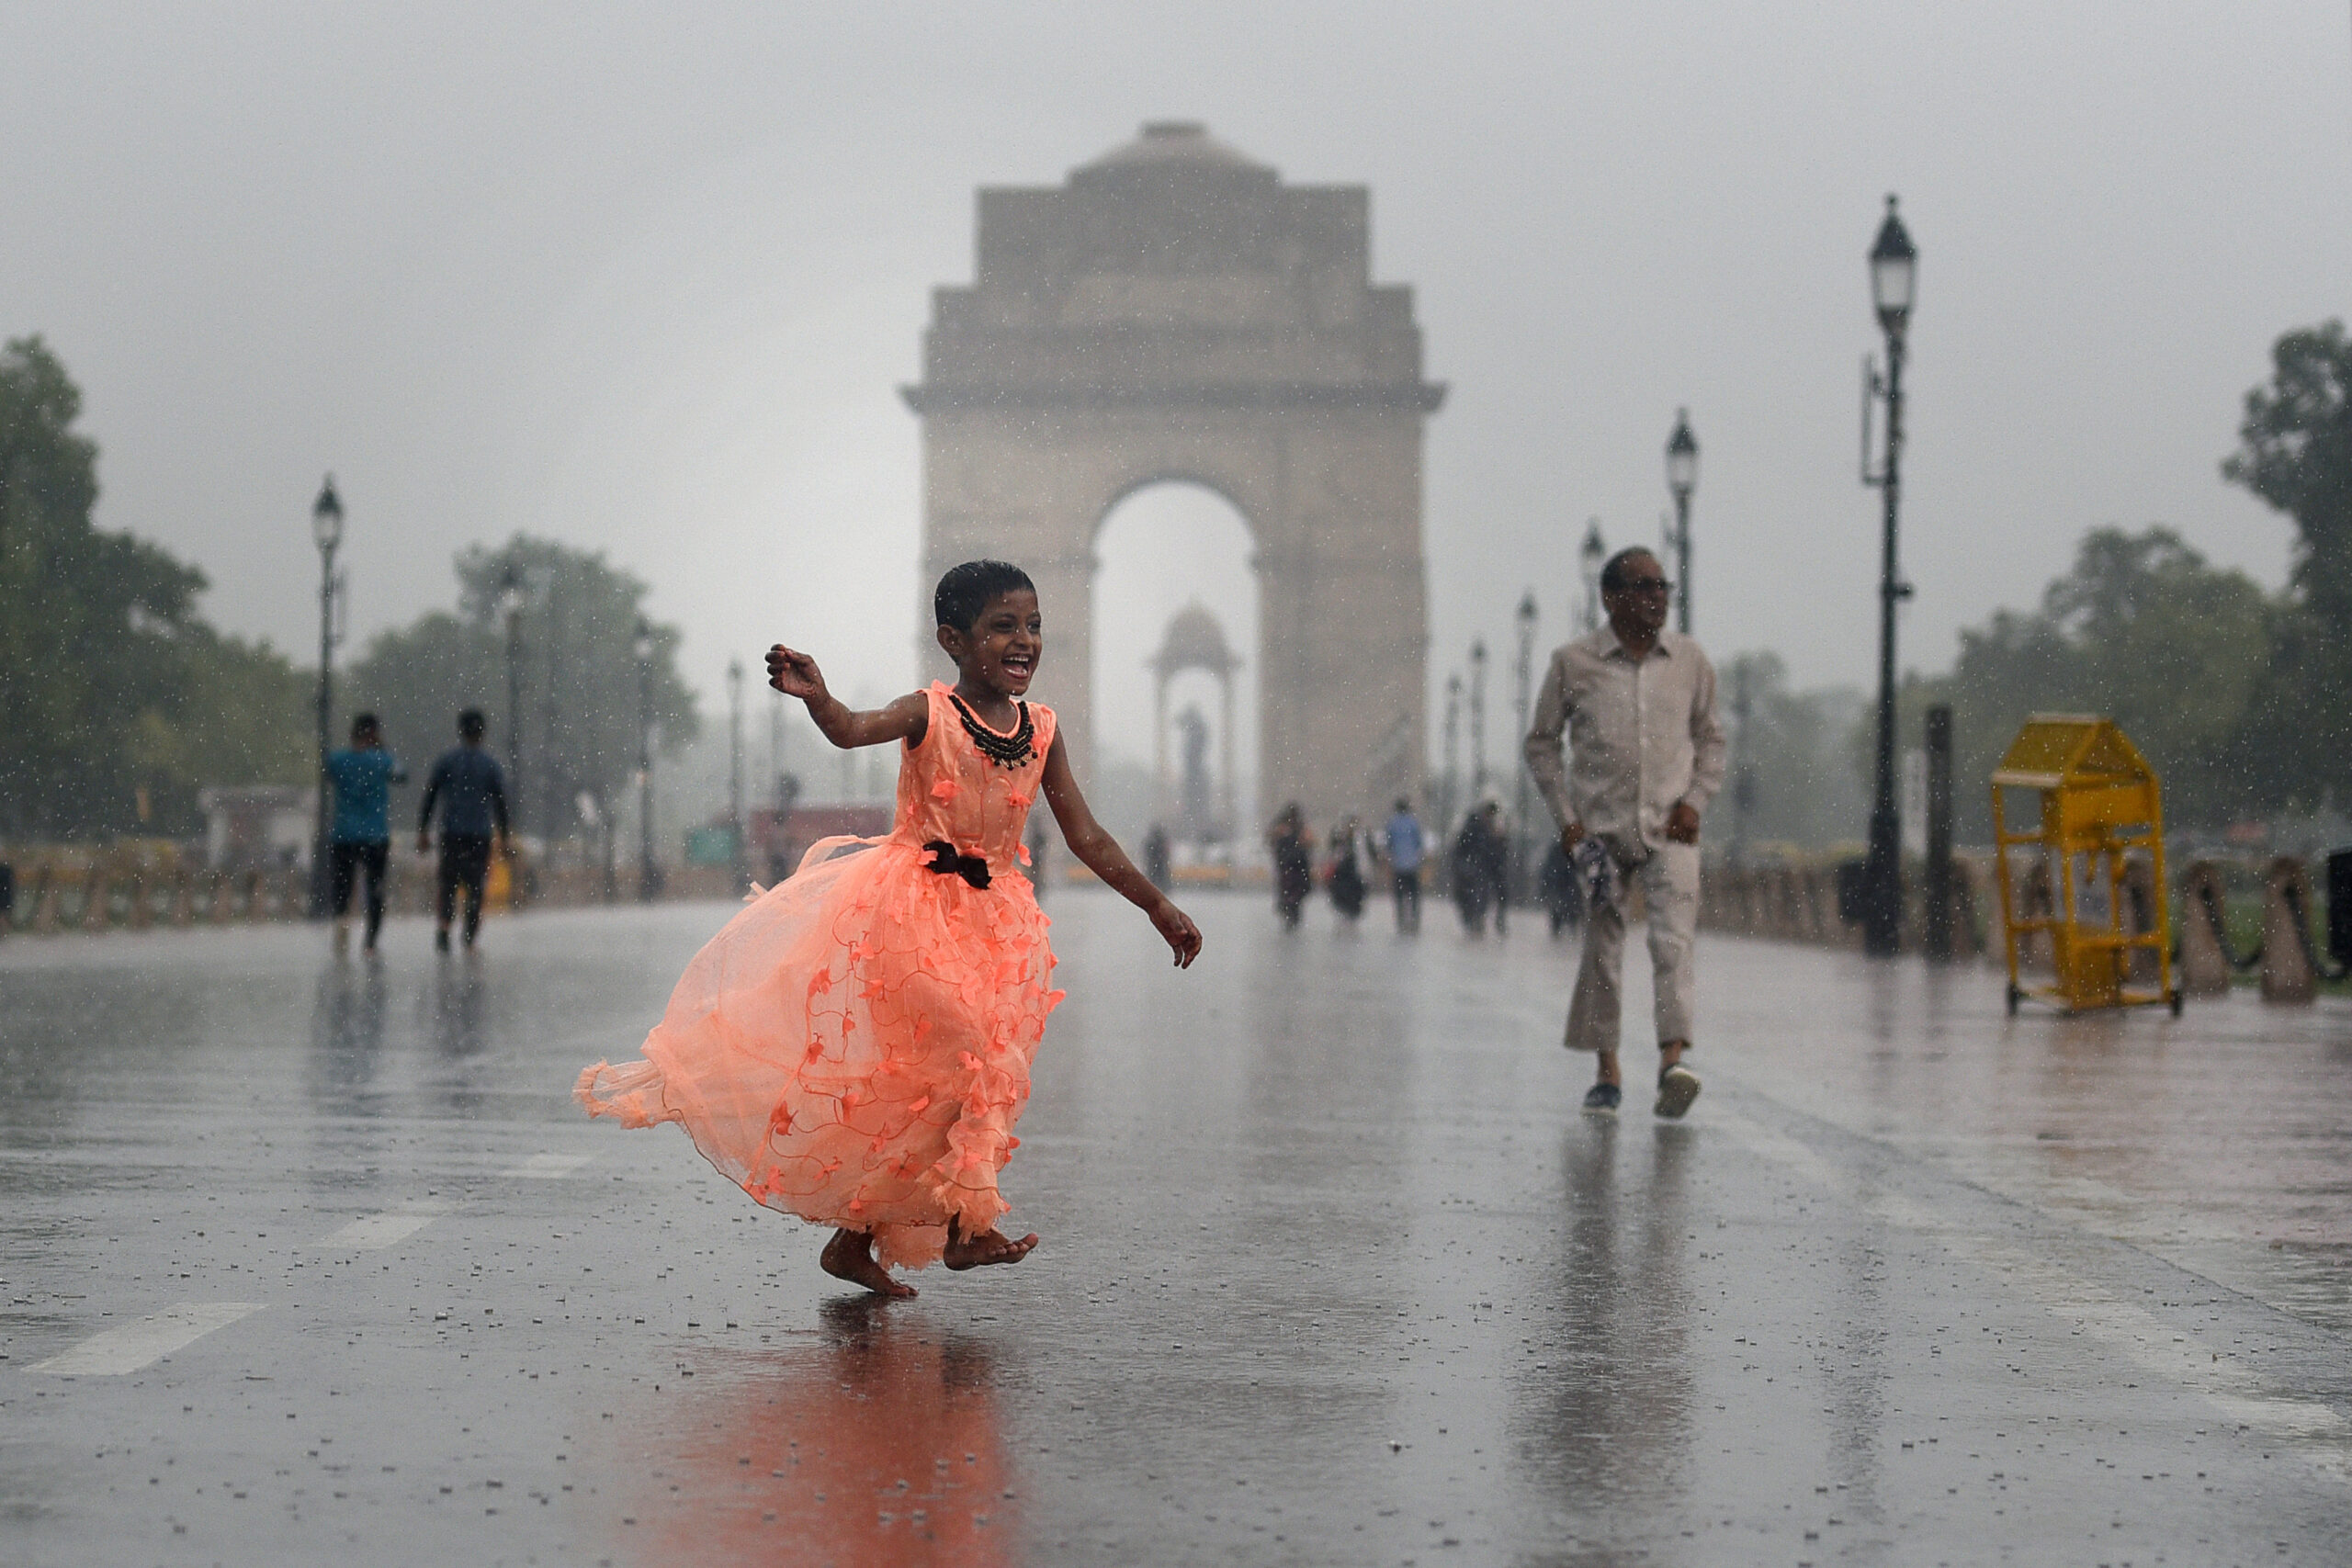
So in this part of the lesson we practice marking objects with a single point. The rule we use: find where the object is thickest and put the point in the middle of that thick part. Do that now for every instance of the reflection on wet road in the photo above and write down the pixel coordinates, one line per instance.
(310, 1261)
(876, 1440)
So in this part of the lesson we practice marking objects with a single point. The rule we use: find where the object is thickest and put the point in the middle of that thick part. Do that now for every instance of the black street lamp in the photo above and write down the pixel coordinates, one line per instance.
(648, 875)
(1743, 768)
(776, 749)
(326, 532)
(1524, 669)
(511, 600)
(738, 862)
(1682, 478)
(552, 771)
(1453, 780)
(1894, 264)
(1478, 722)
(1590, 559)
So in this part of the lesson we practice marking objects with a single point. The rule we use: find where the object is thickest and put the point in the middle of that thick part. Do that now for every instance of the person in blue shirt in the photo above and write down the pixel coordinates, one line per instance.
(468, 785)
(1406, 850)
(362, 776)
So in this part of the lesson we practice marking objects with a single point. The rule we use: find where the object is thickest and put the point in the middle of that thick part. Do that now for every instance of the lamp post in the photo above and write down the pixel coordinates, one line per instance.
(1743, 768)
(1893, 272)
(776, 749)
(326, 532)
(511, 600)
(1682, 478)
(553, 770)
(1590, 558)
(1524, 668)
(1478, 721)
(1452, 783)
(648, 877)
(737, 862)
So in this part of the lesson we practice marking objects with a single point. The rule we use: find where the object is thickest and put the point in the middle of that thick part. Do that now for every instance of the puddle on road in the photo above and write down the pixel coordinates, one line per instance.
(875, 1440)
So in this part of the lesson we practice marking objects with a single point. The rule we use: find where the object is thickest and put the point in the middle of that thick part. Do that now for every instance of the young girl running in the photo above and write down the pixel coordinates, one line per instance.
(855, 1046)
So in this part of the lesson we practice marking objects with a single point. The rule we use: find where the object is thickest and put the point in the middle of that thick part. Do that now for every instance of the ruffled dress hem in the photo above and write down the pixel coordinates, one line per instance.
(855, 1046)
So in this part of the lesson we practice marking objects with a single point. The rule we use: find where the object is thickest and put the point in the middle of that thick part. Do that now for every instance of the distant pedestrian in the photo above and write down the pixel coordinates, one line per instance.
(1479, 856)
(1406, 846)
(471, 789)
(1495, 842)
(1638, 704)
(1556, 887)
(855, 1046)
(1345, 879)
(1038, 851)
(360, 841)
(1293, 857)
(1155, 857)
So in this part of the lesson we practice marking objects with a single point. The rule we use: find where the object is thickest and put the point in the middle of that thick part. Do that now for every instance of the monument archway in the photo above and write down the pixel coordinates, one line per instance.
(1175, 312)
(1163, 550)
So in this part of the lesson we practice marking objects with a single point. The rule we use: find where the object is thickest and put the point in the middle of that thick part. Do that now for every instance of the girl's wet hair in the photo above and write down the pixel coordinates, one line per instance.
(969, 589)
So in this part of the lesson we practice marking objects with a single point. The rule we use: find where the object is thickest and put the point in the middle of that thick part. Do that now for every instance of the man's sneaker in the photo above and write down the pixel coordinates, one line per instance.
(342, 938)
(441, 940)
(1677, 1085)
(1602, 1099)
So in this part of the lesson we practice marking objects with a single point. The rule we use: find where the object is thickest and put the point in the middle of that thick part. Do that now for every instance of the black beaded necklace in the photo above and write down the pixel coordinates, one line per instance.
(1010, 750)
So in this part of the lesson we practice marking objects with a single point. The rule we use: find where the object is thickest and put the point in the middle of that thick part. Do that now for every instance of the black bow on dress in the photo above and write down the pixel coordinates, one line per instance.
(946, 861)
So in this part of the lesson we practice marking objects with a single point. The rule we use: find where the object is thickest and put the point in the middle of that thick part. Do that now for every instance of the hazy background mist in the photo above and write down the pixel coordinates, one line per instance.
(646, 280)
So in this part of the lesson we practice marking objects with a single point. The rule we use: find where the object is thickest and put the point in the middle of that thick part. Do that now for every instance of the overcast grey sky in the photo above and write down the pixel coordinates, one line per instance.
(646, 278)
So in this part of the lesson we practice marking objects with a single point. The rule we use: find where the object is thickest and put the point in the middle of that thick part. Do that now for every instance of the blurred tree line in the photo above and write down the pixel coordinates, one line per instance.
(572, 632)
(2237, 696)
(120, 702)
(1791, 782)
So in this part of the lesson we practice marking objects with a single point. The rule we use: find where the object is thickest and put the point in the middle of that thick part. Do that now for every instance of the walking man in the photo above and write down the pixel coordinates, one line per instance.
(361, 838)
(472, 792)
(1406, 847)
(1638, 704)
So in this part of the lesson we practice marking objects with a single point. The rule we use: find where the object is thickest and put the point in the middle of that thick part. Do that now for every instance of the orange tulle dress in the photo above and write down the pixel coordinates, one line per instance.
(854, 1047)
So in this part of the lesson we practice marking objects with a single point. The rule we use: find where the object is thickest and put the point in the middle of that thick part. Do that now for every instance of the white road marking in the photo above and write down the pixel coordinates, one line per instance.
(134, 1345)
(2312, 1430)
(546, 1167)
(371, 1233)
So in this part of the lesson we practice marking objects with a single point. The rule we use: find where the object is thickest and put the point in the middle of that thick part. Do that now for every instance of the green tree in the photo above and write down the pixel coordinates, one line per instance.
(235, 712)
(577, 672)
(2144, 631)
(119, 701)
(2295, 452)
(1788, 759)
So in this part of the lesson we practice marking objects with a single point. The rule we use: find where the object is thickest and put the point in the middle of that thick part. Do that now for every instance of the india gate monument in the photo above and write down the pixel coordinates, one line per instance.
(1176, 312)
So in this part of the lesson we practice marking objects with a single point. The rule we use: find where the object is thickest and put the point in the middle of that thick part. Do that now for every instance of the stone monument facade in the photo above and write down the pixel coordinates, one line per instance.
(1175, 312)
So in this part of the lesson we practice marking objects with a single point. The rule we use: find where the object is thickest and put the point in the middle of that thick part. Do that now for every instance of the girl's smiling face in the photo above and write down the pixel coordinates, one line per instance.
(998, 653)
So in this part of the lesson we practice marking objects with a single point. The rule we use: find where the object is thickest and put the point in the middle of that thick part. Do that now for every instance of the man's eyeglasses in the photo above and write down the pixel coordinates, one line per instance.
(1644, 585)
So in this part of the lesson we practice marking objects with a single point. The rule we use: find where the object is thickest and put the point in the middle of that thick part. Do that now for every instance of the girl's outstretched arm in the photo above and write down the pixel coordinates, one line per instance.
(1092, 844)
(797, 675)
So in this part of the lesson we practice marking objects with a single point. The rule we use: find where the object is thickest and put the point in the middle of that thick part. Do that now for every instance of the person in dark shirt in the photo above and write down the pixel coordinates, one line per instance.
(1294, 863)
(1480, 854)
(1346, 882)
(361, 840)
(468, 785)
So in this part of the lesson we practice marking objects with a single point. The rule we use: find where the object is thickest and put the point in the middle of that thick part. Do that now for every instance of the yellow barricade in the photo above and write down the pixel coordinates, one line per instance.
(2078, 826)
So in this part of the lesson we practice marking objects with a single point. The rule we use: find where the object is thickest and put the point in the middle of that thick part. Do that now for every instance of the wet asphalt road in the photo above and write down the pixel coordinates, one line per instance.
(308, 1262)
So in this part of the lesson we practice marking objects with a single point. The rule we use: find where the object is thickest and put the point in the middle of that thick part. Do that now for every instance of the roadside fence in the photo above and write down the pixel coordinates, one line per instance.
(2230, 917)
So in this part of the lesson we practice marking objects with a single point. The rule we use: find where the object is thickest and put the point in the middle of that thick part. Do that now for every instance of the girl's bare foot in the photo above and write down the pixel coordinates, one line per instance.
(991, 1246)
(850, 1256)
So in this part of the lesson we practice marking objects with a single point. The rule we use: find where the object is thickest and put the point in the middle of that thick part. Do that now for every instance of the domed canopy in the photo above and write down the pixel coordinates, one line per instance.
(1173, 144)
(1194, 641)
